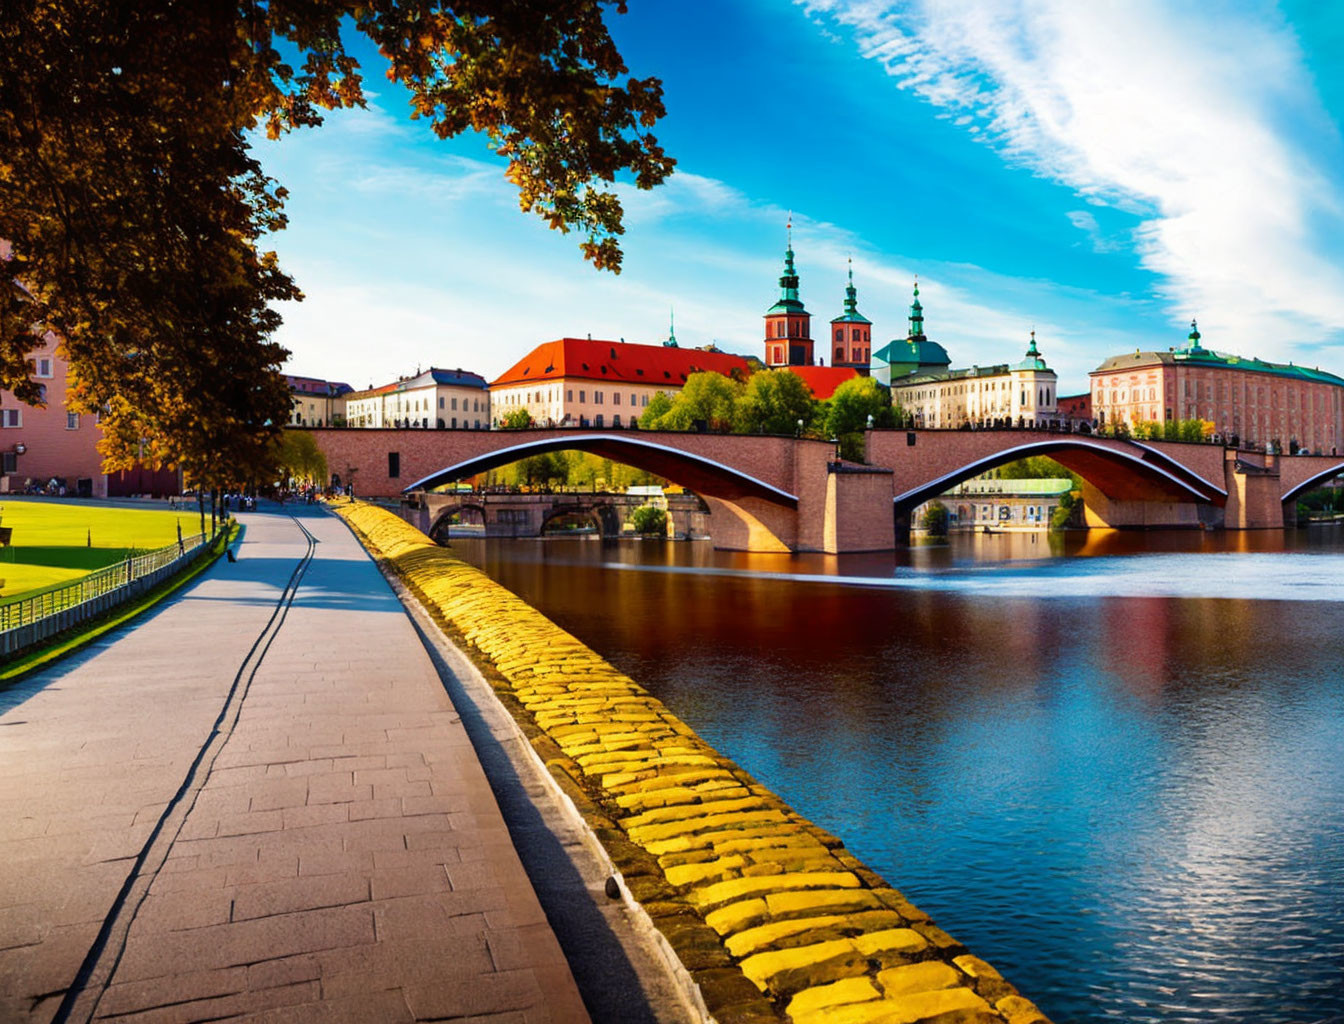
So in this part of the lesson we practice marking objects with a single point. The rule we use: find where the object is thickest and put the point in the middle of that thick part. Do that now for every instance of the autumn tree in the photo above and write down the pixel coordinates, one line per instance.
(131, 205)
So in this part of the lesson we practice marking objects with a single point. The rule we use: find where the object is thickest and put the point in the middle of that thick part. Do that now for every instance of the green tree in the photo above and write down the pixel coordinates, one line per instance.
(773, 403)
(131, 204)
(659, 406)
(934, 519)
(649, 520)
(1063, 512)
(846, 413)
(707, 397)
(299, 458)
(516, 419)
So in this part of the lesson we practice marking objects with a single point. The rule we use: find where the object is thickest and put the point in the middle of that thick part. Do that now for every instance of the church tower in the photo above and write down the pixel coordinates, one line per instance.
(788, 331)
(851, 332)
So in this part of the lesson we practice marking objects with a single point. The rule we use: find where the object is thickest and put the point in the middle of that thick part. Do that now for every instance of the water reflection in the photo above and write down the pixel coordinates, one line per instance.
(1133, 805)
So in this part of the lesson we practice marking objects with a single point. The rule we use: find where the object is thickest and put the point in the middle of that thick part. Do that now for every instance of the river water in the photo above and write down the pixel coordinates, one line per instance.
(1112, 765)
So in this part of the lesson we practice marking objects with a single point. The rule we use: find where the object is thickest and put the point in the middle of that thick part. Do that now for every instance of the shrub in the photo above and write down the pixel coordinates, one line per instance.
(649, 520)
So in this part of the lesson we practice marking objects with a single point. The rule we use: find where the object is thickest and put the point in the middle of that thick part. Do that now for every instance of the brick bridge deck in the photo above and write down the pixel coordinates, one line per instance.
(771, 493)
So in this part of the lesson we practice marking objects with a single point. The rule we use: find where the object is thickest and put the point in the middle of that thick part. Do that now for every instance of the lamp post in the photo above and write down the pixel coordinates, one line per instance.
(800, 429)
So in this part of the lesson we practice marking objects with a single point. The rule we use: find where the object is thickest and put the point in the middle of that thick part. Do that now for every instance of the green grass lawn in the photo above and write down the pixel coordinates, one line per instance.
(54, 542)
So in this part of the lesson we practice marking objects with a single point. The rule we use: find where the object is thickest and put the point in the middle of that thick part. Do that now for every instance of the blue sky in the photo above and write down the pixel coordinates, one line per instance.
(1100, 172)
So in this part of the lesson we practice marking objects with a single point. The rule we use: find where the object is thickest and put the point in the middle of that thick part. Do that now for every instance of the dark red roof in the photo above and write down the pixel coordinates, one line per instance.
(823, 380)
(591, 359)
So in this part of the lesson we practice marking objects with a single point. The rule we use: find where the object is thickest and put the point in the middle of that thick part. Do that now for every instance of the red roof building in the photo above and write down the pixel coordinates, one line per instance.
(586, 382)
(823, 380)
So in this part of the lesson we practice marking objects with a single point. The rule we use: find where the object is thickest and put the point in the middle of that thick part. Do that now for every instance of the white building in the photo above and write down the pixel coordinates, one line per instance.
(436, 399)
(1023, 393)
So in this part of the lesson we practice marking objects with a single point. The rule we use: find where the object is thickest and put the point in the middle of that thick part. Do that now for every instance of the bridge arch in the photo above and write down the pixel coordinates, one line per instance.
(447, 512)
(603, 515)
(1143, 473)
(1312, 481)
(694, 471)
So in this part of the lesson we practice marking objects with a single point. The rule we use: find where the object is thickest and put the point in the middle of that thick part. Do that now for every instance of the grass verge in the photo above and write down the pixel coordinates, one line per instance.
(72, 640)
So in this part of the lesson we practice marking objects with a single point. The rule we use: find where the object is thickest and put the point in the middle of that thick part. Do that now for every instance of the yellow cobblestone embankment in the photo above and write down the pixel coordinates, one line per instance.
(770, 914)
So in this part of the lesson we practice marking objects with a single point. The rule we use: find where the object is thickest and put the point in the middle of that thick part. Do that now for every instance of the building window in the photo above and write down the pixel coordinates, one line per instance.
(582, 396)
(10, 463)
(634, 399)
(72, 421)
(44, 367)
(440, 401)
(394, 464)
(839, 334)
(597, 420)
(644, 400)
(597, 399)
(616, 420)
(11, 418)
(569, 395)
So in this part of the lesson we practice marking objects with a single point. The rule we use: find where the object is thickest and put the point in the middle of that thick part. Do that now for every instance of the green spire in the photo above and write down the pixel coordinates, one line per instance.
(851, 315)
(1033, 361)
(1192, 344)
(671, 341)
(788, 301)
(916, 316)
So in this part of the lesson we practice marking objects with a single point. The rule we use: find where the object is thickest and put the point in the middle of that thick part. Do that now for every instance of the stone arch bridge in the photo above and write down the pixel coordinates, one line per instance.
(771, 493)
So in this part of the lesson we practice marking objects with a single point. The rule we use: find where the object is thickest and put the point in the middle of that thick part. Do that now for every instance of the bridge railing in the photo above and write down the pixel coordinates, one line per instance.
(30, 620)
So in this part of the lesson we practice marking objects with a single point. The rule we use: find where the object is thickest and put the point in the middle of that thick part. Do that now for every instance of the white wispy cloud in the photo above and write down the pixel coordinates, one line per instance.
(1191, 118)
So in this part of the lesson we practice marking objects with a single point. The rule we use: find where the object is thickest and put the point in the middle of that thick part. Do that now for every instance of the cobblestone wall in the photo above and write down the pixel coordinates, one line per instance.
(770, 914)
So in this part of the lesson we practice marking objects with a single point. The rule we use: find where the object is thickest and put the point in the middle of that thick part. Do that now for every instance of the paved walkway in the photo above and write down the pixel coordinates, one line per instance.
(261, 804)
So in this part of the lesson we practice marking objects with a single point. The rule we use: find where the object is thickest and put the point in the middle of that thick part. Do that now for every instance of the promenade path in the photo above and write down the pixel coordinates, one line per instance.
(261, 804)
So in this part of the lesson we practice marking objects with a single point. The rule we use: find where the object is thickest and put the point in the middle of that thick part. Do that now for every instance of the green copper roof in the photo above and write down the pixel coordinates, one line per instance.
(904, 351)
(1033, 361)
(851, 315)
(1208, 357)
(1192, 345)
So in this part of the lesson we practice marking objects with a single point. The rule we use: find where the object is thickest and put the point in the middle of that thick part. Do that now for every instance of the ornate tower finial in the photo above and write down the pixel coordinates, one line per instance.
(916, 316)
(671, 341)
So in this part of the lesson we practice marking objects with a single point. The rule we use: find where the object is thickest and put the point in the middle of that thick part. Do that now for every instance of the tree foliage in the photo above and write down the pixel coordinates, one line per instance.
(649, 520)
(299, 458)
(516, 419)
(775, 402)
(707, 397)
(131, 204)
(851, 407)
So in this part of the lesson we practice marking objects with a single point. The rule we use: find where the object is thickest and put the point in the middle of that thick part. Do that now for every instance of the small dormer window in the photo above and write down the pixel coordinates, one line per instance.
(604, 367)
(667, 375)
(585, 366)
(613, 352)
(639, 371)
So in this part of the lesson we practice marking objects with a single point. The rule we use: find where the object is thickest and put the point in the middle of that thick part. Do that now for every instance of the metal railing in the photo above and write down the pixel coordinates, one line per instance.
(30, 620)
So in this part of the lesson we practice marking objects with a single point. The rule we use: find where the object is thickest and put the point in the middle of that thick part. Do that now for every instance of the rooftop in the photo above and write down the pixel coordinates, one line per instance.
(591, 359)
(1207, 357)
(823, 380)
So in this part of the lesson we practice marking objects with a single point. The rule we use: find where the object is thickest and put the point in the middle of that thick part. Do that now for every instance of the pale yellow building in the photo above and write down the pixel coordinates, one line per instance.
(1020, 394)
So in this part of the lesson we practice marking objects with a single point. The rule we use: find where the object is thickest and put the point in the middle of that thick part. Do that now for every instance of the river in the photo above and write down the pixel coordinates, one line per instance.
(1111, 764)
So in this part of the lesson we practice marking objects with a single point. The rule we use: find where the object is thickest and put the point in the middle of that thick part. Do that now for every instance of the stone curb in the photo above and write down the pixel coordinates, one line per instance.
(772, 916)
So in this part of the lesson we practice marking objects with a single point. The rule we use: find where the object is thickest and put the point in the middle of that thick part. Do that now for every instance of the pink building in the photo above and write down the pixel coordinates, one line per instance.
(38, 445)
(1257, 402)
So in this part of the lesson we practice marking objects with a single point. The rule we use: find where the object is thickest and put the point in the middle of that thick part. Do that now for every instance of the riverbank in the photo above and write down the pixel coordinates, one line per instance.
(769, 913)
